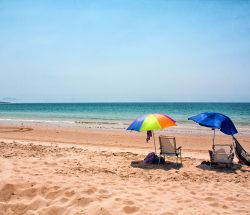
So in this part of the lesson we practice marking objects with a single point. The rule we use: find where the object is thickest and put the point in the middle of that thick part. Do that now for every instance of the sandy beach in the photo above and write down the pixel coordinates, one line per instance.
(56, 170)
(84, 84)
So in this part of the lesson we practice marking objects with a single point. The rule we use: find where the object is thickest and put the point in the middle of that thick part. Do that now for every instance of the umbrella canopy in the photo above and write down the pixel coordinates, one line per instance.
(151, 122)
(215, 120)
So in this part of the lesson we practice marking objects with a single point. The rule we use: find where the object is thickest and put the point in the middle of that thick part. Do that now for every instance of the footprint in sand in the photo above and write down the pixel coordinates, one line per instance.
(104, 194)
(215, 204)
(6, 169)
(225, 206)
(103, 191)
(193, 193)
(37, 202)
(63, 200)
(137, 194)
(168, 213)
(69, 193)
(90, 191)
(53, 209)
(130, 209)
(34, 162)
(54, 194)
(29, 193)
(128, 202)
(101, 211)
(188, 201)
(6, 192)
(231, 199)
(83, 201)
(210, 199)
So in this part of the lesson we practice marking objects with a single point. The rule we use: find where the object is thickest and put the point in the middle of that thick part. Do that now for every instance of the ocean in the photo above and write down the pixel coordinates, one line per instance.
(117, 115)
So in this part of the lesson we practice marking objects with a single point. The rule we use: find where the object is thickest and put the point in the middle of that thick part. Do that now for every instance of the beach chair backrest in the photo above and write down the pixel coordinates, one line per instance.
(167, 144)
(218, 157)
(241, 153)
(223, 149)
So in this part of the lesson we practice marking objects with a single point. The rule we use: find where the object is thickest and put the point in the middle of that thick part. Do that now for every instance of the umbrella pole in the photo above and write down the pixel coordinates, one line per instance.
(213, 138)
(154, 140)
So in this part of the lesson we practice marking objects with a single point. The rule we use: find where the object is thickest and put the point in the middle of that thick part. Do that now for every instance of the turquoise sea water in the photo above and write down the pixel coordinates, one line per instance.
(118, 113)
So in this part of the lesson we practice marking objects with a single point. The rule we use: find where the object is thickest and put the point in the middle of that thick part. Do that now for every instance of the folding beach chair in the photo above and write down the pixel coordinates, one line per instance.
(168, 147)
(222, 154)
(241, 154)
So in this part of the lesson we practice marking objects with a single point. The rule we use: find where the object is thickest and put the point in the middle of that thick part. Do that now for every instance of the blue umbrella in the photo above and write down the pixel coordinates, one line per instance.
(215, 120)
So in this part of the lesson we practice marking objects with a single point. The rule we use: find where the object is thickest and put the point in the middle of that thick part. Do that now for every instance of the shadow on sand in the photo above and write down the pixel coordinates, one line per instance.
(12, 129)
(224, 169)
(166, 166)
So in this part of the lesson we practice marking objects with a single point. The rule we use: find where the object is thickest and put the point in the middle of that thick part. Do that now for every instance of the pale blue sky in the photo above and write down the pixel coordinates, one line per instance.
(151, 50)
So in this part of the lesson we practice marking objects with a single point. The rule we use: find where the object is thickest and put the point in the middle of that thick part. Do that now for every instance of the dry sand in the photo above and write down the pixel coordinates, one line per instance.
(54, 170)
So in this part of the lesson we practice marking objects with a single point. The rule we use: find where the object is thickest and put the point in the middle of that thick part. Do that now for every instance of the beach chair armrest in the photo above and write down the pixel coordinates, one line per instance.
(178, 150)
(211, 155)
(231, 156)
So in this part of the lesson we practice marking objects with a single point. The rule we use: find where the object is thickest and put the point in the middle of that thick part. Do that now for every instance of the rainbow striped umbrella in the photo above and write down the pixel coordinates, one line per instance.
(151, 122)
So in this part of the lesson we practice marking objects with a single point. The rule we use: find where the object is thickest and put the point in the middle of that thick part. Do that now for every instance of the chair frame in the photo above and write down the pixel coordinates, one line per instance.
(177, 152)
(230, 155)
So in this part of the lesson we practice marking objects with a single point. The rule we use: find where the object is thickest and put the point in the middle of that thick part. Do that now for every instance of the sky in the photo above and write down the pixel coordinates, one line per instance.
(125, 51)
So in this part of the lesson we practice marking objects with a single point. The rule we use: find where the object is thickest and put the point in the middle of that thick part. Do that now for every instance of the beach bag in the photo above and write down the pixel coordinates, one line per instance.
(159, 160)
(150, 158)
